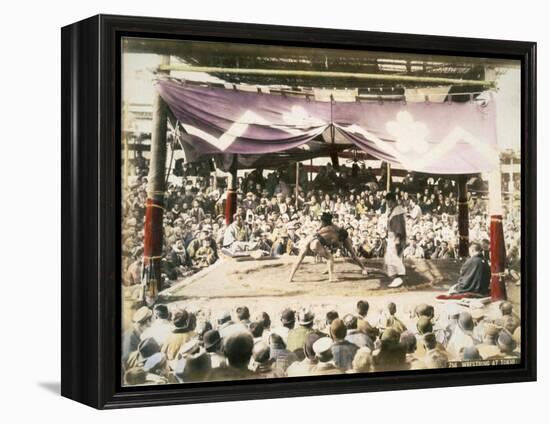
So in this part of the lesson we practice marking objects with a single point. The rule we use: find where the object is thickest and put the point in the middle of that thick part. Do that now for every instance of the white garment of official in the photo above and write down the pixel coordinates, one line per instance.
(393, 262)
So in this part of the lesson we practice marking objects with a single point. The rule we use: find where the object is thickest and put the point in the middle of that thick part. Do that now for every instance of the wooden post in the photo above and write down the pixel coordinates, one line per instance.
(126, 164)
(497, 246)
(388, 177)
(231, 199)
(463, 216)
(511, 189)
(297, 183)
(152, 250)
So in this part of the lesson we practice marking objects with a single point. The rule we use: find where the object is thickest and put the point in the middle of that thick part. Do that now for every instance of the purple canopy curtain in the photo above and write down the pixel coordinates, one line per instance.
(229, 121)
(437, 138)
(445, 138)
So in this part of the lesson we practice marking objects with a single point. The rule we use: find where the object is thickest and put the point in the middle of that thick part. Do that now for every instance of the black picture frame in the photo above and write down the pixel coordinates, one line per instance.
(90, 287)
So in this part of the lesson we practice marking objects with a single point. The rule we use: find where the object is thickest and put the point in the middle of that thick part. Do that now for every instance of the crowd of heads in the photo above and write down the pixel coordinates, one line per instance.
(275, 218)
(180, 346)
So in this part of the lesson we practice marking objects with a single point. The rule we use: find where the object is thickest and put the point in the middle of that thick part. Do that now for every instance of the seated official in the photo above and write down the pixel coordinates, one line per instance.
(475, 274)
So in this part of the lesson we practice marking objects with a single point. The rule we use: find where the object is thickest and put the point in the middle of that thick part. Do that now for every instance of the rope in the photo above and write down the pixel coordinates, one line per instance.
(154, 205)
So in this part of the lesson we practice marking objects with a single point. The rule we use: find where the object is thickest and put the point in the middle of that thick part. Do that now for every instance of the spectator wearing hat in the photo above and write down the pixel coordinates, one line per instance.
(435, 359)
(224, 324)
(203, 328)
(157, 369)
(453, 312)
(262, 362)
(256, 329)
(363, 324)
(409, 342)
(160, 327)
(424, 326)
(240, 325)
(145, 349)
(488, 347)
(478, 315)
(323, 352)
(265, 320)
(331, 316)
(391, 354)
(281, 356)
(470, 353)
(424, 310)
(297, 336)
(355, 336)
(362, 361)
(508, 320)
(132, 337)
(136, 376)
(184, 324)
(343, 351)
(305, 366)
(194, 367)
(462, 336)
(238, 350)
(213, 345)
(507, 346)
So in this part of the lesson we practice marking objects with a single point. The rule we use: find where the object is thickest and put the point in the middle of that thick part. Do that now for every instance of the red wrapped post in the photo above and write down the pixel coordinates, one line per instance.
(498, 259)
(497, 247)
(463, 218)
(231, 199)
(153, 231)
(152, 249)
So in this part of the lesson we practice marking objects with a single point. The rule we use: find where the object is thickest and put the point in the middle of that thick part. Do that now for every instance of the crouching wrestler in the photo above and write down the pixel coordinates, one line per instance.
(324, 242)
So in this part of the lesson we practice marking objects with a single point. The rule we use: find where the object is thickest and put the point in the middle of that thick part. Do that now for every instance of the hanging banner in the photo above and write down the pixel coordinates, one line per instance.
(438, 138)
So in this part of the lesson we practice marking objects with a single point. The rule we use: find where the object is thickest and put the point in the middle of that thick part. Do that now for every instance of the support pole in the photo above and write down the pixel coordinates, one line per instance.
(463, 218)
(152, 251)
(498, 249)
(126, 164)
(231, 199)
(388, 177)
(334, 159)
(511, 189)
(297, 189)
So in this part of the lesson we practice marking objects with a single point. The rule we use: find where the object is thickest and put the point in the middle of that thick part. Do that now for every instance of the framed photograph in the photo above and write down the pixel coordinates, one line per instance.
(254, 211)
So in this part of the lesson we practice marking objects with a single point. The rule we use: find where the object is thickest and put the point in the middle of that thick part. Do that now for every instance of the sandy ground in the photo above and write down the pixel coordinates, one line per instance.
(263, 286)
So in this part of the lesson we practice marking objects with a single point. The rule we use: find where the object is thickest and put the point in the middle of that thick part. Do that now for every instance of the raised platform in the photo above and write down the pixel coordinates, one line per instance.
(231, 278)
(263, 285)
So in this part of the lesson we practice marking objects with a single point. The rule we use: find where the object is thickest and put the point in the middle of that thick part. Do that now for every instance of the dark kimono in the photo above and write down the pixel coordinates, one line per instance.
(397, 226)
(475, 276)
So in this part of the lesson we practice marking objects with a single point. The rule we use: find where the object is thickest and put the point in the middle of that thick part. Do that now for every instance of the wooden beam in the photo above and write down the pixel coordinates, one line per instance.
(326, 74)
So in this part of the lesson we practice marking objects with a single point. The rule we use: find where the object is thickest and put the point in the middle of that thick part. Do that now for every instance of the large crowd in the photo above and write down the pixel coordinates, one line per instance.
(275, 217)
(173, 346)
